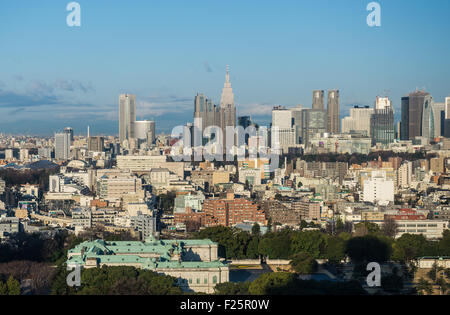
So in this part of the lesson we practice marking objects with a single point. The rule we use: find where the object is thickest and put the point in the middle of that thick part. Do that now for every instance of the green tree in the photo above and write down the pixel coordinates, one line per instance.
(13, 286)
(232, 288)
(311, 242)
(409, 247)
(424, 287)
(366, 228)
(335, 249)
(272, 283)
(367, 249)
(126, 280)
(256, 229)
(3, 288)
(303, 263)
(276, 245)
(444, 244)
(252, 248)
(303, 224)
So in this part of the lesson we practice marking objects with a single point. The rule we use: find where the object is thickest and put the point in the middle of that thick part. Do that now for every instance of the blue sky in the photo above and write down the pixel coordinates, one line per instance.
(52, 75)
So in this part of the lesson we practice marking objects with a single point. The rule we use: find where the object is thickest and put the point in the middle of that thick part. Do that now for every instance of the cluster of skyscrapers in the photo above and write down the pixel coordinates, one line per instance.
(211, 115)
(131, 130)
(421, 119)
(424, 118)
(295, 126)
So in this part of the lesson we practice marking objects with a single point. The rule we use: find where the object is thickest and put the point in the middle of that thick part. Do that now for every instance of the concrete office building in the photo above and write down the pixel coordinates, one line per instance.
(283, 133)
(438, 110)
(314, 121)
(96, 144)
(359, 120)
(127, 116)
(333, 112)
(378, 189)
(447, 118)
(145, 131)
(431, 229)
(114, 187)
(45, 152)
(281, 117)
(9, 226)
(404, 175)
(62, 146)
(382, 126)
(145, 224)
(230, 211)
(9, 154)
(297, 113)
(318, 99)
(194, 202)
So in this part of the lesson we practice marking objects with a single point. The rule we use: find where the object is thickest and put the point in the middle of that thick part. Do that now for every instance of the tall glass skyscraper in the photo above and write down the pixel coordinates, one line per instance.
(127, 116)
(382, 126)
(62, 146)
(314, 121)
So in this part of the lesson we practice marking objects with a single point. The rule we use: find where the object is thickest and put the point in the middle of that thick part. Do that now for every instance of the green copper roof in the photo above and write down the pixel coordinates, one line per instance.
(165, 252)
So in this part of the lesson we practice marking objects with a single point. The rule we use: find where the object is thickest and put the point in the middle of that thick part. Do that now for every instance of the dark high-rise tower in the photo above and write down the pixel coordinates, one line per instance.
(412, 114)
(333, 112)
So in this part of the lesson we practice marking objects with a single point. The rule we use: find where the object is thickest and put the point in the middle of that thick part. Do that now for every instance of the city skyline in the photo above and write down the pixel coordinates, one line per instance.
(319, 45)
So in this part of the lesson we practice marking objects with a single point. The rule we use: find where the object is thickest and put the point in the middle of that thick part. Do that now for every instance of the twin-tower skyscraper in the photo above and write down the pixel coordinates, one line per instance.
(333, 108)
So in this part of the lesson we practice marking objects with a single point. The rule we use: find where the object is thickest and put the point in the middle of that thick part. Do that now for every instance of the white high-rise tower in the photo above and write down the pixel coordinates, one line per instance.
(227, 110)
(227, 92)
(127, 116)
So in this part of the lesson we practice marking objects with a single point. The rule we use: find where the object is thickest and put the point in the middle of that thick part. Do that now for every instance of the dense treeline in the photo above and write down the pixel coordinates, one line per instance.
(116, 281)
(38, 247)
(9, 287)
(357, 158)
(286, 244)
(14, 177)
(33, 247)
(283, 283)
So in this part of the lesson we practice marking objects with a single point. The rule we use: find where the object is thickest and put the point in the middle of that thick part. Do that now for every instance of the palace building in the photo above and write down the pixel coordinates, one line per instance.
(195, 263)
